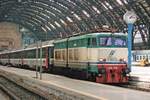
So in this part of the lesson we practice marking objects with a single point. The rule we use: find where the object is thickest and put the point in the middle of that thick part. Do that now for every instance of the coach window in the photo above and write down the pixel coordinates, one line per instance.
(17, 54)
(43, 52)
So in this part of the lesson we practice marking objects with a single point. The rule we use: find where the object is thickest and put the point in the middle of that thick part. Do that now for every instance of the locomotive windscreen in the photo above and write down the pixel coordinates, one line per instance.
(112, 41)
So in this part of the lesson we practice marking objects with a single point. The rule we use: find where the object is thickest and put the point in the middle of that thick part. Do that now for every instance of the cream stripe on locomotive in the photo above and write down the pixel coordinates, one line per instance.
(74, 55)
(109, 54)
(78, 57)
(60, 57)
(95, 55)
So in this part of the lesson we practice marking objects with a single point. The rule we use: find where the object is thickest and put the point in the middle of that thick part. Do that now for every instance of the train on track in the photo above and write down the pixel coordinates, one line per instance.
(100, 57)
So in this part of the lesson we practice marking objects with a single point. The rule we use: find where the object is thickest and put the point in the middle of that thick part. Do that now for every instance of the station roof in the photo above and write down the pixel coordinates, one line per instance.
(60, 18)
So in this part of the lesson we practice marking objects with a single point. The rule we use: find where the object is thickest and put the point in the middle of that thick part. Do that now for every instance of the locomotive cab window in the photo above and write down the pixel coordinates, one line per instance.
(105, 41)
(119, 42)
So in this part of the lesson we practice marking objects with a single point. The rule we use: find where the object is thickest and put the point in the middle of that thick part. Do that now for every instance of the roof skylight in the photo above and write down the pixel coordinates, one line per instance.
(85, 13)
(96, 9)
(69, 19)
(120, 2)
(57, 24)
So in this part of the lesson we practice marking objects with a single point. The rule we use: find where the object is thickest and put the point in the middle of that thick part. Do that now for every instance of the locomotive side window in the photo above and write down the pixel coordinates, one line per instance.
(93, 42)
(63, 55)
(76, 56)
(70, 54)
(88, 41)
(57, 55)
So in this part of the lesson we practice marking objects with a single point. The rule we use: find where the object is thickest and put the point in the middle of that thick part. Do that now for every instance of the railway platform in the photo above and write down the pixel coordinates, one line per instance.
(69, 89)
(140, 77)
(139, 73)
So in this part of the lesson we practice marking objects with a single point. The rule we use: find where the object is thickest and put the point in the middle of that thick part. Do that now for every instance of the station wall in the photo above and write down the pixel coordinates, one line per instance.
(10, 38)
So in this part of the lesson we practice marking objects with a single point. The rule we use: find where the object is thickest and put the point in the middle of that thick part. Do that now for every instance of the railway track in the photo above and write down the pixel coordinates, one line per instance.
(136, 85)
(139, 85)
(16, 92)
(4, 95)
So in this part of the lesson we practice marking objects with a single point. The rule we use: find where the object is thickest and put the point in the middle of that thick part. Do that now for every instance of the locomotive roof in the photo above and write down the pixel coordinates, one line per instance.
(90, 35)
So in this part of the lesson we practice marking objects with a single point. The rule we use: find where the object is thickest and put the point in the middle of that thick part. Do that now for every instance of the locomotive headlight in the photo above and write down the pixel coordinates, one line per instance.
(122, 59)
(102, 59)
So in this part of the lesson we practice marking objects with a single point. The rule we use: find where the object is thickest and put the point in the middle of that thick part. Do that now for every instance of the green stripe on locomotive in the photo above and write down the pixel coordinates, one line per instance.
(82, 41)
(73, 42)
(92, 69)
(60, 44)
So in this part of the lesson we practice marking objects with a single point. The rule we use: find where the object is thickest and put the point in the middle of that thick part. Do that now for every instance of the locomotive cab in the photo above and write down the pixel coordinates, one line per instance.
(107, 53)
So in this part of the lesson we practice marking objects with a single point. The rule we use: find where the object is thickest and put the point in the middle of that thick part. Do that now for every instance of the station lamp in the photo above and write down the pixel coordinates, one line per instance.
(130, 18)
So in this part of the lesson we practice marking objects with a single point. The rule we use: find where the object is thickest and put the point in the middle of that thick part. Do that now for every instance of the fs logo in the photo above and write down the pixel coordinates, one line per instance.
(112, 52)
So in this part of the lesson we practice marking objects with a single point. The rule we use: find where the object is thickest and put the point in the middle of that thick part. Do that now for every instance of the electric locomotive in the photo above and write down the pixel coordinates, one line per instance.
(100, 57)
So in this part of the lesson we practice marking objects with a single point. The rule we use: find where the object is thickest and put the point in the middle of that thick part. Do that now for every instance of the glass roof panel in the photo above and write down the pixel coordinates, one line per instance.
(108, 5)
(52, 26)
(69, 19)
(44, 29)
(120, 2)
(48, 27)
(77, 16)
(96, 9)
(62, 21)
(57, 24)
(85, 13)
(104, 6)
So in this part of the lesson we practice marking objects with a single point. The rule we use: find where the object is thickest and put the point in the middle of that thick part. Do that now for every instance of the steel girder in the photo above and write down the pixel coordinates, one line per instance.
(61, 18)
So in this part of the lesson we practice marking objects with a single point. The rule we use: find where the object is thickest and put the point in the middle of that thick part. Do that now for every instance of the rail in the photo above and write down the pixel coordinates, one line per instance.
(25, 88)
